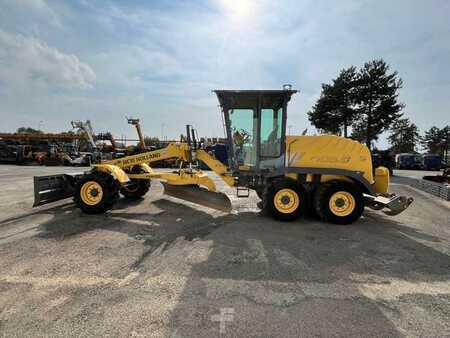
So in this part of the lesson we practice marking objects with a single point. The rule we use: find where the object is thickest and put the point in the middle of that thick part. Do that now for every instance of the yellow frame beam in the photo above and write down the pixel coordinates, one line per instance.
(183, 177)
(180, 151)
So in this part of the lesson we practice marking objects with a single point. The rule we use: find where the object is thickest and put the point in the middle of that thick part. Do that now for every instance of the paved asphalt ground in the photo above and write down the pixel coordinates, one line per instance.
(416, 173)
(166, 268)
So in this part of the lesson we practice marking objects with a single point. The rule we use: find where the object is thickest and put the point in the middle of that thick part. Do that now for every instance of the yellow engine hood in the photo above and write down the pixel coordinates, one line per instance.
(329, 151)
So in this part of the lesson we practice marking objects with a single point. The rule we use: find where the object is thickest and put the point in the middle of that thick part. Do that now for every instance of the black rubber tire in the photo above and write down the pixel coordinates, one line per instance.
(310, 211)
(135, 189)
(391, 171)
(260, 193)
(323, 195)
(269, 195)
(110, 193)
(114, 197)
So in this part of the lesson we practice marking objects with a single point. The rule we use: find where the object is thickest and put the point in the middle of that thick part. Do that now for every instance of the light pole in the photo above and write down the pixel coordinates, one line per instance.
(162, 131)
(446, 143)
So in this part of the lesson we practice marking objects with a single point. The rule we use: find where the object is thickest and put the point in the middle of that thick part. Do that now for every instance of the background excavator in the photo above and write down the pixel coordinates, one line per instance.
(332, 175)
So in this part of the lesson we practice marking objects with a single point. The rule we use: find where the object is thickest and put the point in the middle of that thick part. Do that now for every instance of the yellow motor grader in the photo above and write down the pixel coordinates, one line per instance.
(332, 175)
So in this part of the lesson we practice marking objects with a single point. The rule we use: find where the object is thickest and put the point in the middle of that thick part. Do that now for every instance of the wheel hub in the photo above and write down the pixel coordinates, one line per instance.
(133, 187)
(286, 201)
(342, 203)
(91, 193)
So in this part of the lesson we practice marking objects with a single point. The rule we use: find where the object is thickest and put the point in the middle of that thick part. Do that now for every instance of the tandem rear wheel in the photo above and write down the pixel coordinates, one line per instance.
(338, 202)
(285, 200)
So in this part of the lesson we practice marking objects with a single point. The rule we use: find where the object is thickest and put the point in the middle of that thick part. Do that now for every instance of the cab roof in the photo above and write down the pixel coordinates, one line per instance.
(235, 99)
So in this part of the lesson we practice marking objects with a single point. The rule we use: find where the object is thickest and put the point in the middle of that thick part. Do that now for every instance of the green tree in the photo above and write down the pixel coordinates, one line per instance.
(334, 111)
(446, 142)
(431, 140)
(376, 97)
(28, 130)
(437, 141)
(151, 141)
(404, 136)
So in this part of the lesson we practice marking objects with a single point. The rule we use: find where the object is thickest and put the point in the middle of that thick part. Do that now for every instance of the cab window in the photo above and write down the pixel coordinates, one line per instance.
(243, 131)
(271, 124)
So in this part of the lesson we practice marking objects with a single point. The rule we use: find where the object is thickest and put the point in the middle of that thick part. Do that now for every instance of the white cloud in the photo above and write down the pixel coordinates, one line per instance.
(28, 62)
(161, 59)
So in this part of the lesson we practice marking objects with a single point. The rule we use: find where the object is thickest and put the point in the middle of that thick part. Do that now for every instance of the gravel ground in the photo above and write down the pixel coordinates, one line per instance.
(165, 268)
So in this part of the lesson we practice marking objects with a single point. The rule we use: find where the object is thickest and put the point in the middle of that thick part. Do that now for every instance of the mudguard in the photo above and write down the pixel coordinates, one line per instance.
(114, 171)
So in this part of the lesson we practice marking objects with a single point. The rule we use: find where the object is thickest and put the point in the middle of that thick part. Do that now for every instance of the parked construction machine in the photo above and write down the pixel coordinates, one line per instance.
(16, 153)
(136, 123)
(291, 174)
(117, 149)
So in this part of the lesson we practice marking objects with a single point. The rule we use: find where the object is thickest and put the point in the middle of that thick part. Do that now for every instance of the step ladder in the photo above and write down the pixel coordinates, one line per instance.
(242, 192)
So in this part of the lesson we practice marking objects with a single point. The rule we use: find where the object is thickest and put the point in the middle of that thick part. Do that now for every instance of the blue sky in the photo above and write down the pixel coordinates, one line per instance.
(159, 60)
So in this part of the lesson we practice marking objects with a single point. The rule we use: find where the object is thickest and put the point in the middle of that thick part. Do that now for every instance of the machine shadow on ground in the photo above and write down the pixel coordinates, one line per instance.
(267, 260)
(375, 244)
(252, 251)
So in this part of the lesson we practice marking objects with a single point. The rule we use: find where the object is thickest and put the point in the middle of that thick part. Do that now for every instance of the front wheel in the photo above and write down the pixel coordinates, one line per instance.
(339, 202)
(285, 200)
(95, 193)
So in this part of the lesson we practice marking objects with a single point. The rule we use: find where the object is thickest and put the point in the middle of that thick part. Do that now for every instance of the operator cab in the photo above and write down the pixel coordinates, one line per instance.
(255, 122)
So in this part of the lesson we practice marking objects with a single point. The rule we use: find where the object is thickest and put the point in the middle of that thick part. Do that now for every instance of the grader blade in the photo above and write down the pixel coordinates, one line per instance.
(52, 188)
(199, 195)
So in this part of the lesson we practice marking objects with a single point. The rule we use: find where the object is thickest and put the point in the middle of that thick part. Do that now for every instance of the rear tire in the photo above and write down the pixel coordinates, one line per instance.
(95, 193)
(285, 200)
(339, 202)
